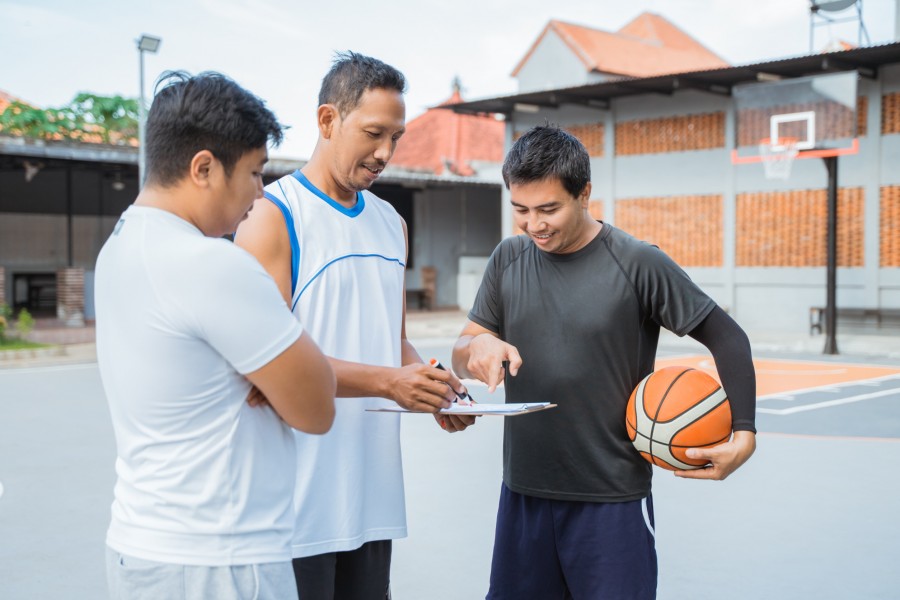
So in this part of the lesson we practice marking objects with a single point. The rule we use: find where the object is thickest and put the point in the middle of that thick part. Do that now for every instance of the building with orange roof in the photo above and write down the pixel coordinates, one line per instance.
(566, 54)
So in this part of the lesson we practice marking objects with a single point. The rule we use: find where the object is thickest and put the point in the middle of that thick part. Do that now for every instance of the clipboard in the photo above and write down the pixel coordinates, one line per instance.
(479, 410)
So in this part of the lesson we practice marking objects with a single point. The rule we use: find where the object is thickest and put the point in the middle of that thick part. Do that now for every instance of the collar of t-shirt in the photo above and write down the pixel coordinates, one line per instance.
(590, 248)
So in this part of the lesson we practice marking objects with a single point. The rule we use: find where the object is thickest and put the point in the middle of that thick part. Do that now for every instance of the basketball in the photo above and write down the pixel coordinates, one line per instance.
(674, 409)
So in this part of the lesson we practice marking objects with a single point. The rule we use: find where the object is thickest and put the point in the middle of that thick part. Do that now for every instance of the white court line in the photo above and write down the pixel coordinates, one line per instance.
(782, 398)
(1, 489)
(831, 386)
(47, 369)
(828, 403)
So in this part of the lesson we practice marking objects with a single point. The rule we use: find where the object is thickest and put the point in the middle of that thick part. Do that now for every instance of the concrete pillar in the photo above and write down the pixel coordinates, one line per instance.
(507, 225)
(3, 286)
(729, 220)
(897, 21)
(70, 296)
(608, 177)
(872, 145)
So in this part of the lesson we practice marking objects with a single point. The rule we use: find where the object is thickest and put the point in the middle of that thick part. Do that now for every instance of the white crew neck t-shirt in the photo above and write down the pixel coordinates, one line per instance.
(201, 475)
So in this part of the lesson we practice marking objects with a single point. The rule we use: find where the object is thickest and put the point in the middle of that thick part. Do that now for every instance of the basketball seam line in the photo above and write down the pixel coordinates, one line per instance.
(659, 408)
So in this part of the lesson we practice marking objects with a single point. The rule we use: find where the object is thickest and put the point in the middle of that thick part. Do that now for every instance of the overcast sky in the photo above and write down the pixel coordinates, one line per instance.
(280, 49)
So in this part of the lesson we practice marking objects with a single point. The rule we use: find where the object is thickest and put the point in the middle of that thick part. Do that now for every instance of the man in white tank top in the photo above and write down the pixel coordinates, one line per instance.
(338, 254)
(187, 324)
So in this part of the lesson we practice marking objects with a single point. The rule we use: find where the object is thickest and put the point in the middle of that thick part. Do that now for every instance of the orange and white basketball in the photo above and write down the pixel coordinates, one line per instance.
(674, 409)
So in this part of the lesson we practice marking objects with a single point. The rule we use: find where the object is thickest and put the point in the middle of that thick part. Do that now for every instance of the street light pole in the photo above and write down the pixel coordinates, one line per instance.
(146, 43)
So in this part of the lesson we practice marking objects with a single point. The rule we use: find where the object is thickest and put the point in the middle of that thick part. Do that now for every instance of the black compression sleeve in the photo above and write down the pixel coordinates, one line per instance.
(730, 348)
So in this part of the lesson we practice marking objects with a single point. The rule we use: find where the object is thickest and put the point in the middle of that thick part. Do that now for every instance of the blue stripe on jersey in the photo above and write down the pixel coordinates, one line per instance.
(350, 212)
(339, 258)
(292, 234)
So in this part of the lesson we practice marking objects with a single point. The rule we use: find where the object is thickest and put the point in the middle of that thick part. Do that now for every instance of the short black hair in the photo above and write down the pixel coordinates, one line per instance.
(208, 111)
(547, 152)
(351, 75)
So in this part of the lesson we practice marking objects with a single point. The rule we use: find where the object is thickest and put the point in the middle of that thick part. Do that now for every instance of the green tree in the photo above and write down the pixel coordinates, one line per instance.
(113, 118)
(24, 120)
(88, 118)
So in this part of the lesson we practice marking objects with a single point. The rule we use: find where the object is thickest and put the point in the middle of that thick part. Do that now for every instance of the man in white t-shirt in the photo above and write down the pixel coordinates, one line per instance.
(187, 325)
(338, 255)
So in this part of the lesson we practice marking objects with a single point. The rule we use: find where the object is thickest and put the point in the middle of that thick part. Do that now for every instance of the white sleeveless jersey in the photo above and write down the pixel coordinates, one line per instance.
(347, 269)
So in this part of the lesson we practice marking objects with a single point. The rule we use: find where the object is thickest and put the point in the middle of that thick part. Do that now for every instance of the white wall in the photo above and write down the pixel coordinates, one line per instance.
(553, 65)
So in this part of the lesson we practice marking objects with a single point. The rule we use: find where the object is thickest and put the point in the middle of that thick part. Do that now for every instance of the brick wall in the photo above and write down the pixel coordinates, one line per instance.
(788, 229)
(591, 135)
(890, 226)
(70, 296)
(687, 228)
(671, 134)
(890, 113)
(862, 116)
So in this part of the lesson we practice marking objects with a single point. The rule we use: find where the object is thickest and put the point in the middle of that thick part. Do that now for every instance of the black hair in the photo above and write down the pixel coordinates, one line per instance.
(351, 75)
(208, 111)
(547, 152)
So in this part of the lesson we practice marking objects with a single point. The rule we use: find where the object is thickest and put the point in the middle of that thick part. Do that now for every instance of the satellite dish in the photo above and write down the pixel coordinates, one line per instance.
(830, 5)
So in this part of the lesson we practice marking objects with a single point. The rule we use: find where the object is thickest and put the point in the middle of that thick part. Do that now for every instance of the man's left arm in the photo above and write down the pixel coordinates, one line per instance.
(730, 349)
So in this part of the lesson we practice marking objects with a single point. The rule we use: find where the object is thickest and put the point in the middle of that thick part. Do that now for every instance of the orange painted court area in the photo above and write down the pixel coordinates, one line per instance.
(780, 376)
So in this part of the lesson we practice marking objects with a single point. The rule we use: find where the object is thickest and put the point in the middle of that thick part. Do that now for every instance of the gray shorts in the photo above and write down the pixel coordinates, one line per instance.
(132, 578)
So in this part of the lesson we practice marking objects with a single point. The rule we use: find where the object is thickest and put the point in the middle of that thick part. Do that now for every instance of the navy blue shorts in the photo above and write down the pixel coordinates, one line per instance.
(560, 549)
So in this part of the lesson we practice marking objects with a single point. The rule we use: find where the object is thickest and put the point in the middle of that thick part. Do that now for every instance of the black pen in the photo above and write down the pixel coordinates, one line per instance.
(465, 397)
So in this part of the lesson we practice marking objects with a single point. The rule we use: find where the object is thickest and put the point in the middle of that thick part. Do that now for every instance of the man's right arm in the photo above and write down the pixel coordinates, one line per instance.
(479, 353)
(300, 385)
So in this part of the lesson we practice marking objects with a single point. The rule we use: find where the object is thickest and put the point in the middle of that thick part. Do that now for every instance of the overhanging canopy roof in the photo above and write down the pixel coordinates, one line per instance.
(718, 81)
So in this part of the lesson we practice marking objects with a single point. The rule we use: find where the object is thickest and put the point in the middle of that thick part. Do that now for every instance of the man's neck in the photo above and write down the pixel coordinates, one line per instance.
(316, 170)
(173, 200)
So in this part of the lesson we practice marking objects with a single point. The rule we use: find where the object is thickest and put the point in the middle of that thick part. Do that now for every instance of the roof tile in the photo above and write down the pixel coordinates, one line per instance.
(441, 140)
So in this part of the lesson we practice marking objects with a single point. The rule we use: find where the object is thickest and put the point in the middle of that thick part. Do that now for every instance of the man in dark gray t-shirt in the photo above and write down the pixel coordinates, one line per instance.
(570, 313)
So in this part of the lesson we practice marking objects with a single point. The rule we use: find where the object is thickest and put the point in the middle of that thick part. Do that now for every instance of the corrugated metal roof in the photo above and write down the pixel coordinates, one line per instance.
(276, 167)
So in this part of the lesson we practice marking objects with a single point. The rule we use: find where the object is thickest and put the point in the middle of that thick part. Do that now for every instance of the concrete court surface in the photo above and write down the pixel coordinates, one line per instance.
(810, 516)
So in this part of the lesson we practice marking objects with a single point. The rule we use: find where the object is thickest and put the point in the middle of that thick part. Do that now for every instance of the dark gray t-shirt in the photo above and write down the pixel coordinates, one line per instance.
(586, 325)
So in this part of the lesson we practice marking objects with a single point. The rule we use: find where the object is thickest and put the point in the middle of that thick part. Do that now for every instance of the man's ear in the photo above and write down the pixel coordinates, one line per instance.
(202, 166)
(327, 116)
(585, 197)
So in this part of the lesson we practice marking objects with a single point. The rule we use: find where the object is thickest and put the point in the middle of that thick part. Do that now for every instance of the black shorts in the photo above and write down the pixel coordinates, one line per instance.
(361, 574)
(559, 549)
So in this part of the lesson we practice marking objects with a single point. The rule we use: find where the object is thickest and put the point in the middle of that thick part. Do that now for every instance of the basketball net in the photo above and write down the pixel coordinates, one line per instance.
(778, 158)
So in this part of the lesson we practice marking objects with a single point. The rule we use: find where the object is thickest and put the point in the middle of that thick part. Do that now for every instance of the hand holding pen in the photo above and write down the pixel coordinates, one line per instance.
(462, 398)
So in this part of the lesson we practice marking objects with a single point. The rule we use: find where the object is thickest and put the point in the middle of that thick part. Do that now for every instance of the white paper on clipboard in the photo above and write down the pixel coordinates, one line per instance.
(503, 410)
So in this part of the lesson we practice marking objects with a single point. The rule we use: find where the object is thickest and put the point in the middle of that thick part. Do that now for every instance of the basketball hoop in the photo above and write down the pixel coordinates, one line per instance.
(778, 157)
